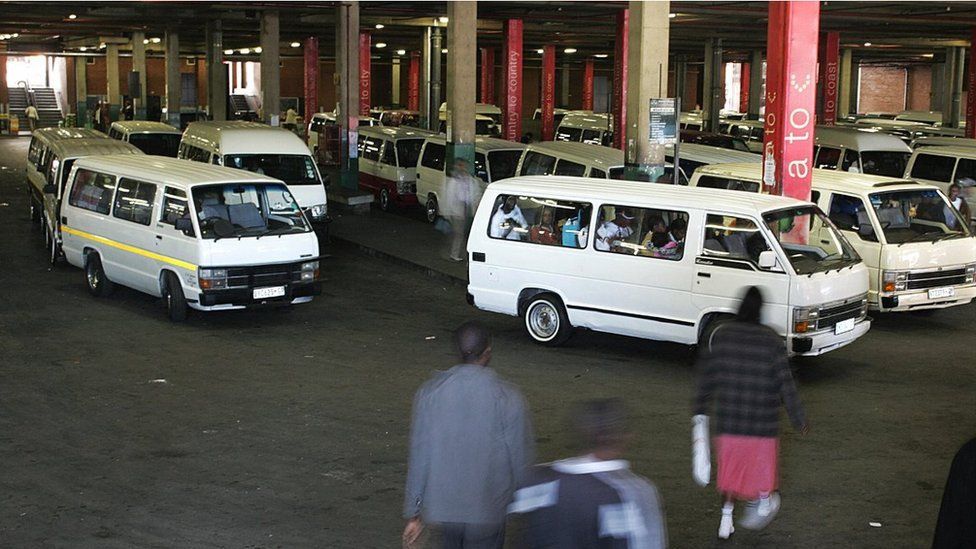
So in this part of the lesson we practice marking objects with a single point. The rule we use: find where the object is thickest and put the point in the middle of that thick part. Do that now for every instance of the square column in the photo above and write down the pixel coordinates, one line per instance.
(488, 76)
(423, 98)
(81, 90)
(756, 83)
(413, 82)
(959, 76)
(395, 82)
(844, 83)
(112, 76)
(619, 99)
(564, 86)
(436, 56)
(270, 69)
(790, 100)
(139, 66)
(647, 53)
(365, 73)
(512, 105)
(714, 86)
(548, 92)
(588, 85)
(347, 92)
(174, 83)
(971, 78)
(830, 73)
(216, 72)
(462, 62)
(311, 88)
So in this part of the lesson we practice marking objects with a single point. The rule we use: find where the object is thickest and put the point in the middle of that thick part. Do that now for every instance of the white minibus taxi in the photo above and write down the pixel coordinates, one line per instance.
(150, 137)
(388, 164)
(494, 160)
(860, 150)
(584, 127)
(918, 250)
(40, 159)
(753, 131)
(945, 166)
(262, 149)
(661, 262)
(199, 236)
(941, 141)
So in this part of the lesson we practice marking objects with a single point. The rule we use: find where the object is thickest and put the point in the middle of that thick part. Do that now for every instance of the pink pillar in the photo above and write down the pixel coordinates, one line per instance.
(311, 77)
(548, 94)
(413, 82)
(513, 80)
(744, 87)
(620, 80)
(830, 72)
(364, 73)
(971, 96)
(791, 71)
(488, 76)
(588, 85)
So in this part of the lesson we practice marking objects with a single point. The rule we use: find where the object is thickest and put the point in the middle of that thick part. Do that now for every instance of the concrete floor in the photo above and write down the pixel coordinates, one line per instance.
(288, 427)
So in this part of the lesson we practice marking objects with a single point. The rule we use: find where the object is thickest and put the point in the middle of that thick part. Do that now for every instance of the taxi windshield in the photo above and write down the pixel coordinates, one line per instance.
(923, 215)
(810, 241)
(247, 210)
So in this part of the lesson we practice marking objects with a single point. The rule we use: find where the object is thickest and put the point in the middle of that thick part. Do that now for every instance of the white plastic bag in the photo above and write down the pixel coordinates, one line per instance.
(701, 460)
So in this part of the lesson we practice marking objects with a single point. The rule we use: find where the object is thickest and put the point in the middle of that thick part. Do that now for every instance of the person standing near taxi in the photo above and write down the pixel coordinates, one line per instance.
(461, 196)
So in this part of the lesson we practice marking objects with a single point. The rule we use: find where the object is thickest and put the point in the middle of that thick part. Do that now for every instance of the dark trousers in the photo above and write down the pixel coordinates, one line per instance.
(458, 535)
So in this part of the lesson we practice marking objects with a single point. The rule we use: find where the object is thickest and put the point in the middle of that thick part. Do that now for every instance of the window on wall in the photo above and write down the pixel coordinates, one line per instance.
(545, 221)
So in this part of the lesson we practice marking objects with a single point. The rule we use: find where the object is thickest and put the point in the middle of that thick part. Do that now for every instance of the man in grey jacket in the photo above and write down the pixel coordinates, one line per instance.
(470, 445)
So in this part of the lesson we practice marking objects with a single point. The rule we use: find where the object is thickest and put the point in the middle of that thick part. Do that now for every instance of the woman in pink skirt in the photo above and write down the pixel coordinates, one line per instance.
(746, 372)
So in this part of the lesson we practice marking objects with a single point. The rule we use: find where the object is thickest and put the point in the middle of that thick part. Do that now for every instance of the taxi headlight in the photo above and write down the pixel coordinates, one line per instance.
(970, 273)
(894, 281)
(310, 271)
(212, 279)
(805, 319)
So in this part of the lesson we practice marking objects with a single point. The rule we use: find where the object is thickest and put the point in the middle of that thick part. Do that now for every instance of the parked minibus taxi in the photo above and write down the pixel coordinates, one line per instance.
(199, 236)
(944, 167)
(148, 136)
(918, 250)
(388, 164)
(661, 262)
(860, 150)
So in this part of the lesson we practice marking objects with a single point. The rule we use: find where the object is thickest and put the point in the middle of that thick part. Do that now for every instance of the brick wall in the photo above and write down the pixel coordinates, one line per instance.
(919, 87)
(882, 89)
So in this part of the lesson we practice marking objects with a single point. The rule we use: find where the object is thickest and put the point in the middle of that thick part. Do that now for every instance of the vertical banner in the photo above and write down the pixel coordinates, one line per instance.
(830, 68)
(488, 76)
(791, 88)
(971, 96)
(744, 83)
(619, 106)
(413, 82)
(311, 77)
(588, 85)
(548, 91)
(513, 80)
(364, 73)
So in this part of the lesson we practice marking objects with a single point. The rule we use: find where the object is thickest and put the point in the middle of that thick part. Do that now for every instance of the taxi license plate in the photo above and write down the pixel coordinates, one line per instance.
(936, 293)
(844, 326)
(265, 293)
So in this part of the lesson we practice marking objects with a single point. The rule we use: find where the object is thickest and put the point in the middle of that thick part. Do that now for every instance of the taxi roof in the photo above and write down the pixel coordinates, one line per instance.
(91, 146)
(394, 132)
(170, 171)
(240, 137)
(856, 183)
(144, 126)
(603, 158)
(484, 143)
(860, 139)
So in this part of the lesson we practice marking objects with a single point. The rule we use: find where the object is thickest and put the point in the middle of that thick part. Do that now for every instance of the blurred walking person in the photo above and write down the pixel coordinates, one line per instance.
(32, 116)
(470, 445)
(746, 372)
(461, 195)
(956, 527)
(592, 500)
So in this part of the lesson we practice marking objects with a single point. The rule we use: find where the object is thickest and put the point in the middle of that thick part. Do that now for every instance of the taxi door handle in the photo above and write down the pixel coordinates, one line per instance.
(704, 274)
(159, 237)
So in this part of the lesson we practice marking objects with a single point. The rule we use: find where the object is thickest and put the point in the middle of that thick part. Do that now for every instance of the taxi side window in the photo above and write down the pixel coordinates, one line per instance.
(134, 201)
(848, 213)
(540, 220)
(389, 154)
(175, 206)
(92, 191)
(371, 148)
(736, 238)
(538, 164)
(646, 232)
(433, 156)
(827, 158)
(565, 167)
(850, 163)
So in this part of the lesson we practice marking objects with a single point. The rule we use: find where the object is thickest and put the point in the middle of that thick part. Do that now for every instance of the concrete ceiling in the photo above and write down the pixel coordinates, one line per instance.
(897, 31)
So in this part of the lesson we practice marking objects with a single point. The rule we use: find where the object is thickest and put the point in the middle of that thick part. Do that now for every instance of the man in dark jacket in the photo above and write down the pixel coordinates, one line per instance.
(593, 500)
(746, 372)
(956, 528)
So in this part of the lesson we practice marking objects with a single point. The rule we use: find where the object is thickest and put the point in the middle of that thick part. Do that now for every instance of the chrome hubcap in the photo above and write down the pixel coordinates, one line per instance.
(431, 210)
(93, 277)
(543, 320)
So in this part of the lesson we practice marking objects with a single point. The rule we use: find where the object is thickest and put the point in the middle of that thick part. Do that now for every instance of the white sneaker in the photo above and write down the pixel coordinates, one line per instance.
(758, 514)
(725, 528)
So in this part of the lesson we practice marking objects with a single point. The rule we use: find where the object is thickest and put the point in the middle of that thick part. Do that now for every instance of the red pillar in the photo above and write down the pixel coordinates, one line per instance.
(791, 90)
(588, 85)
(829, 75)
(548, 94)
(971, 96)
(488, 76)
(620, 80)
(364, 73)
(744, 83)
(311, 77)
(513, 80)
(413, 82)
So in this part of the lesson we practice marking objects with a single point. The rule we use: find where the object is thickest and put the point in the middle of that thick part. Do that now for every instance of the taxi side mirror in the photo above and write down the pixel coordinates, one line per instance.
(768, 261)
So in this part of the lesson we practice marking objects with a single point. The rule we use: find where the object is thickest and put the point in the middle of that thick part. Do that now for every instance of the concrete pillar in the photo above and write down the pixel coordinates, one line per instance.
(112, 76)
(948, 85)
(745, 86)
(512, 64)
(462, 80)
(311, 73)
(436, 57)
(395, 82)
(270, 68)
(139, 66)
(957, 82)
(81, 90)
(216, 72)
(347, 92)
(844, 83)
(488, 75)
(938, 88)
(413, 82)
(587, 104)
(564, 87)
(647, 53)
(365, 73)
(791, 95)
(619, 99)
(714, 84)
(756, 83)
(423, 99)
(174, 83)
(547, 93)
(680, 77)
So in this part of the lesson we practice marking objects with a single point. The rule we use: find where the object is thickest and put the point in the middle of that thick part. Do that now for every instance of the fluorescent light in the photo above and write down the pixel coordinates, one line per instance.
(672, 15)
(245, 51)
(569, 50)
(380, 45)
(380, 25)
(72, 16)
(928, 55)
(443, 19)
(601, 55)
(258, 49)
(444, 50)
(15, 35)
(866, 44)
(540, 50)
(156, 40)
(83, 48)
(401, 52)
(296, 45)
(145, 40)
(228, 52)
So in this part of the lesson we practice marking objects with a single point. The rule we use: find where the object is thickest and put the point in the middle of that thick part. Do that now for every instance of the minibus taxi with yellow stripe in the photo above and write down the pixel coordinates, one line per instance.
(198, 236)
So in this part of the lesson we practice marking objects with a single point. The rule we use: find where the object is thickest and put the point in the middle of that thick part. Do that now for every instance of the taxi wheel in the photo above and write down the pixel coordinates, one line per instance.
(386, 203)
(98, 284)
(173, 298)
(716, 322)
(546, 321)
(432, 210)
(53, 251)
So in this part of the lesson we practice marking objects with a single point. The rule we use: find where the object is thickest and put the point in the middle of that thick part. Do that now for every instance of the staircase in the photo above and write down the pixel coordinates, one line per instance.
(240, 109)
(18, 102)
(48, 111)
